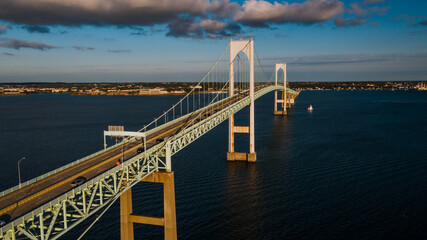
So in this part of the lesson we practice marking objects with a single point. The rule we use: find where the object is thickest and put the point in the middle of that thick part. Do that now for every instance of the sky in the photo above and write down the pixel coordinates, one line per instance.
(179, 40)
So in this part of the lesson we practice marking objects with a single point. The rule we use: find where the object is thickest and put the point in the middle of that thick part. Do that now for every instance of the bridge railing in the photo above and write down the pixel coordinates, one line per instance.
(31, 181)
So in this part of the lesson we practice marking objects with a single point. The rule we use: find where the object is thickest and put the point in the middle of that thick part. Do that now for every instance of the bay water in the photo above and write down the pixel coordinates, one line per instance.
(354, 168)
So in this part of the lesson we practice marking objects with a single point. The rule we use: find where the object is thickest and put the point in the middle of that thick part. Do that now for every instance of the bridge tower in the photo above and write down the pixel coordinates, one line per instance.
(283, 101)
(247, 47)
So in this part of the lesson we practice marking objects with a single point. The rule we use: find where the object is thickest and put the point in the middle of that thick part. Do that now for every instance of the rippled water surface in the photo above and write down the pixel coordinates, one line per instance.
(355, 168)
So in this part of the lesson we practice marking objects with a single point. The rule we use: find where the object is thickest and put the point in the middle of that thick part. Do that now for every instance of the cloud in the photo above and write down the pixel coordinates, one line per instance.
(341, 22)
(118, 50)
(360, 10)
(212, 26)
(373, 1)
(213, 19)
(223, 9)
(81, 48)
(184, 27)
(4, 27)
(191, 28)
(36, 29)
(262, 13)
(8, 54)
(98, 12)
(18, 44)
(423, 23)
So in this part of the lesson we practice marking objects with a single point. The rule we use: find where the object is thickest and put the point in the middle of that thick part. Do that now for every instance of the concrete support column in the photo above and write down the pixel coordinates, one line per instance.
(169, 206)
(126, 226)
(275, 101)
(168, 221)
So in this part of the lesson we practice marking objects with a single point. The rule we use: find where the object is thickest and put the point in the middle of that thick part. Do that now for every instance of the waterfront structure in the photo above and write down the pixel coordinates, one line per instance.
(48, 206)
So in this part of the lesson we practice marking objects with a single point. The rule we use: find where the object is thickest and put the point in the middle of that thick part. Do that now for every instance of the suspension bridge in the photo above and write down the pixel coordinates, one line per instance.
(48, 206)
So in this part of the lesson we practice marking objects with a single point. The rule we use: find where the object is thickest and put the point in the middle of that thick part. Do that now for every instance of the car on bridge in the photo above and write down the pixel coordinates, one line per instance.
(140, 150)
(4, 219)
(78, 181)
(159, 140)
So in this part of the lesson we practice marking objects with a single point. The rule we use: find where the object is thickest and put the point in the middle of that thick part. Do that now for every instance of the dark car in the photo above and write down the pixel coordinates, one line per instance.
(4, 219)
(78, 181)
(159, 140)
(140, 150)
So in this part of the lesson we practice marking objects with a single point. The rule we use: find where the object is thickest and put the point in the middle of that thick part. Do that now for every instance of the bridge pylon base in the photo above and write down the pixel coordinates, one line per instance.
(238, 156)
(280, 113)
(127, 218)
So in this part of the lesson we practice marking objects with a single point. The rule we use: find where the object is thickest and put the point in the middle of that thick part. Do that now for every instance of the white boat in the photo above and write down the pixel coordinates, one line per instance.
(310, 109)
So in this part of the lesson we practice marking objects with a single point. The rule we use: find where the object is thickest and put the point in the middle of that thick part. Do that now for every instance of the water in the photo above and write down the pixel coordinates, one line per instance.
(355, 168)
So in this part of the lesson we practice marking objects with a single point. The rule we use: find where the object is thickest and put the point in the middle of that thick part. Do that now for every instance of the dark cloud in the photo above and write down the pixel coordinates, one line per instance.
(8, 54)
(191, 28)
(98, 12)
(373, 1)
(184, 18)
(36, 29)
(18, 44)
(81, 48)
(423, 23)
(262, 13)
(341, 22)
(139, 31)
(118, 50)
(4, 27)
(184, 27)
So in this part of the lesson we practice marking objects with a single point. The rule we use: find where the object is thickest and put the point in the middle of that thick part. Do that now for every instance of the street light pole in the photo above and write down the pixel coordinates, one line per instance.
(19, 171)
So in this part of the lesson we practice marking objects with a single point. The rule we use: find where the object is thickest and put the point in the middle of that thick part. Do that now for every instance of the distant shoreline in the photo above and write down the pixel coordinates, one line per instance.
(183, 88)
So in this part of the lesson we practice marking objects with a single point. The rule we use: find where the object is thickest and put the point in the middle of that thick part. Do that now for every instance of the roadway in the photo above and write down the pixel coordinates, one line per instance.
(24, 200)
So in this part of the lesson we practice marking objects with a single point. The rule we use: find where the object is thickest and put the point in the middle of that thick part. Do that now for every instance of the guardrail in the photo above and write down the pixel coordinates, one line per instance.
(31, 181)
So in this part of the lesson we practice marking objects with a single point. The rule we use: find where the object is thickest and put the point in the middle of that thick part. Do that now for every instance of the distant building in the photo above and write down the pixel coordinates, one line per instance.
(154, 91)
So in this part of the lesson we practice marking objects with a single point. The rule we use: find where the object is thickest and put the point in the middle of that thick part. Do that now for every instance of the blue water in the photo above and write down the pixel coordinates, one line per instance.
(355, 168)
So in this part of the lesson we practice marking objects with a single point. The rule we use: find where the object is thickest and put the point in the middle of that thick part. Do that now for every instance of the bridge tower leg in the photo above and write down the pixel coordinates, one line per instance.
(283, 101)
(168, 221)
(247, 47)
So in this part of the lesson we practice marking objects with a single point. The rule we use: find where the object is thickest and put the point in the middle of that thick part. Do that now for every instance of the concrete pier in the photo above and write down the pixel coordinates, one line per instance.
(239, 156)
